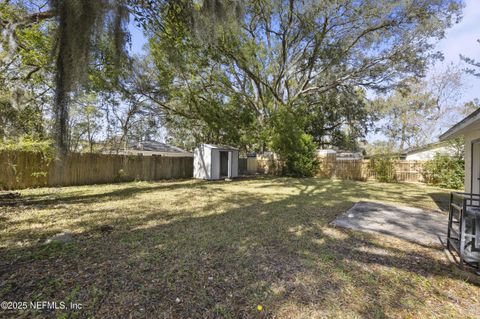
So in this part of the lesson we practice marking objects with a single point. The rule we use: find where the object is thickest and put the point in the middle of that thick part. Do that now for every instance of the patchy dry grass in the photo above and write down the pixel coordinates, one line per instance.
(196, 249)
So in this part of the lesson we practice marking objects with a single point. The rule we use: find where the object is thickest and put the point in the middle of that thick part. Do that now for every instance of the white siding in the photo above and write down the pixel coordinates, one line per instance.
(469, 138)
(430, 154)
(475, 172)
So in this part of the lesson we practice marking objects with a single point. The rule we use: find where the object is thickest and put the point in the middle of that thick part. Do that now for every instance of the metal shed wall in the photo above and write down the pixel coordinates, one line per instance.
(234, 163)
(202, 163)
(207, 162)
(215, 153)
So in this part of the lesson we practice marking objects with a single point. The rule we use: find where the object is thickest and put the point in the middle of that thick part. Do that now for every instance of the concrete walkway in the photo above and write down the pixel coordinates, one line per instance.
(408, 223)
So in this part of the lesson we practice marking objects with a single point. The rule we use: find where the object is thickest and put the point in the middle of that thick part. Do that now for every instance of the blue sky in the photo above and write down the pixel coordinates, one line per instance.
(138, 39)
(461, 39)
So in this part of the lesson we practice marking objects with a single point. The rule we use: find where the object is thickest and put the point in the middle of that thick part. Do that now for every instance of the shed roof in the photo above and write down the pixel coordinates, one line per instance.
(221, 147)
(461, 127)
(154, 146)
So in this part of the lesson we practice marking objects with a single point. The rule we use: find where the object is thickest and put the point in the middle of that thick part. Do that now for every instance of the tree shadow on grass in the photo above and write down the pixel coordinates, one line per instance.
(441, 199)
(231, 257)
(123, 192)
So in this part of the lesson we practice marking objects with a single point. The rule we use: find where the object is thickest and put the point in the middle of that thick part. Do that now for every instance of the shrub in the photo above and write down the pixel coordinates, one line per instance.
(296, 149)
(28, 144)
(120, 175)
(302, 161)
(445, 171)
(14, 149)
(384, 168)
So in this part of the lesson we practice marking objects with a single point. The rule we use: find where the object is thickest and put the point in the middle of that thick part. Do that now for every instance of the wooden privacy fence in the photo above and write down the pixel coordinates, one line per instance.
(19, 169)
(242, 166)
(27, 169)
(268, 164)
(330, 167)
(404, 171)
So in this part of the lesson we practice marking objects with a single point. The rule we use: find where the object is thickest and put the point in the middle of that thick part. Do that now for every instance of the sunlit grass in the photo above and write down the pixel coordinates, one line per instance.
(222, 249)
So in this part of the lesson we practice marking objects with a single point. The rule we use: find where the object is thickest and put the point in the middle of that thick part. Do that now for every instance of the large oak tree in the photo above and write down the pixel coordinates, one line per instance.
(287, 54)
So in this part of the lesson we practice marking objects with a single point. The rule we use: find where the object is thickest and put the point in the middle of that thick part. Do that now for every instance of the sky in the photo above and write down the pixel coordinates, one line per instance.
(460, 39)
(137, 38)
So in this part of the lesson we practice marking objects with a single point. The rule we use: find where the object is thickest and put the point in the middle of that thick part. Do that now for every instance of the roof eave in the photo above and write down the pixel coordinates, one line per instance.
(461, 127)
(450, 135)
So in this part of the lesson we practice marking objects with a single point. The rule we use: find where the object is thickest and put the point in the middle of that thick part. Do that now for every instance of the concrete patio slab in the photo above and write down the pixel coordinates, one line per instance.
(408, 223)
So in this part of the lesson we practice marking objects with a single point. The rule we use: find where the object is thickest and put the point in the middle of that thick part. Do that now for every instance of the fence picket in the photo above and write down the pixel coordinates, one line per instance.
(20, 169)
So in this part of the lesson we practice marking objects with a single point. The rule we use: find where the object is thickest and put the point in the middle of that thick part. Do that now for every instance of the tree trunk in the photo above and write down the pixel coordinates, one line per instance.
(403, 136)
(61, 110)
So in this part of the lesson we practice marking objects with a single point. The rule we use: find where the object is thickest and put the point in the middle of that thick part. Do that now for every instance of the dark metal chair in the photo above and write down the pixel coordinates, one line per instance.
(463, 235)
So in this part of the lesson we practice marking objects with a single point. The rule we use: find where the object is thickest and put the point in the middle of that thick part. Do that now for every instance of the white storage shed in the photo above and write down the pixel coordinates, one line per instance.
(215, 162)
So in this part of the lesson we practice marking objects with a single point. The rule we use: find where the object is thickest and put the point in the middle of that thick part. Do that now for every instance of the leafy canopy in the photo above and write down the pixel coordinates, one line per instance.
(311, 59)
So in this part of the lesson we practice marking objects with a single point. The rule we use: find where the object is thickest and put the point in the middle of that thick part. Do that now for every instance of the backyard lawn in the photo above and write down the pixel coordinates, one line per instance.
(195, 249)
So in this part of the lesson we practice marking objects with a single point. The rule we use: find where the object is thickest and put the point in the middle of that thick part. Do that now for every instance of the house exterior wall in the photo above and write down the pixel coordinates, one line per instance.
(470, 136)
(430, 154)
(202, 163)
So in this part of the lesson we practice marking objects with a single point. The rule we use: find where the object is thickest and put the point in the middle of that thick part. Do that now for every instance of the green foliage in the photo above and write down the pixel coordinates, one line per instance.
(218, 71)
(378, 148)
(417, 109)
(445, 171)
(81, 25)
(25, 71)
(18, 121)
(470, 106)
(37, 44)
(85, 120)
(197, 108)
(296, 149)
(405, 111)
(343, 140)
(384, 168)
(39, 174)
(457, 145)
(474, 64)
(310, 56)
(338, 118)
(29, 145)
(121, 174)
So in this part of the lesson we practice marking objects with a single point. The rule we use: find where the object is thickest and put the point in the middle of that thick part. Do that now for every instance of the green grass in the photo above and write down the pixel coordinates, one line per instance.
(222, 249)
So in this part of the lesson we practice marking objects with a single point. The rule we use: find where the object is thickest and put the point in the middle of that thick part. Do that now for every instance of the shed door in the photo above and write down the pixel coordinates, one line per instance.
(224, 164)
